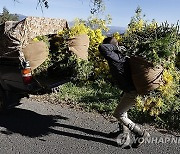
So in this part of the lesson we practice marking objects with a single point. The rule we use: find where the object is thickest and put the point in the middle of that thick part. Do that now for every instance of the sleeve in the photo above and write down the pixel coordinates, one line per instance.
(110, 51)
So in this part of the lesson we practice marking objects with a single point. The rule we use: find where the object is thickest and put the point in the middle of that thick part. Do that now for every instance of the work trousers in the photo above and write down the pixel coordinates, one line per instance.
(127, 101)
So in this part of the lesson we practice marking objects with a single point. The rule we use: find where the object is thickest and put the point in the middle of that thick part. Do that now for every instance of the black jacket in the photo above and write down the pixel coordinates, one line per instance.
(119, 66)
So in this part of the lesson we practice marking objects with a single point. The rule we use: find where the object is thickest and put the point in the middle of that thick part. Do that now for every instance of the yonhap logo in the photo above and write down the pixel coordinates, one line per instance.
(151, 140)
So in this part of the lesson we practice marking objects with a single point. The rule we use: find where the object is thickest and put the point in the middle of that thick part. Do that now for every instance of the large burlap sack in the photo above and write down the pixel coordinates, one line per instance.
(36, 52)
(79, 45)
(145, 76)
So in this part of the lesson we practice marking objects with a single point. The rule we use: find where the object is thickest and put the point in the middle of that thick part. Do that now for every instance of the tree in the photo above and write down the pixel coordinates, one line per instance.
(96, 7)
(6, 16)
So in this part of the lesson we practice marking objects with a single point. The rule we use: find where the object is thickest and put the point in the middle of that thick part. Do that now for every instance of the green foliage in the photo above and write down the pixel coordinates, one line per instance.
(170, 119)
(99, 95)
(178, 61)
(6, 16)
(60, 57)
(98, 23)
(66, 62)
(81, 70)
(158, 44)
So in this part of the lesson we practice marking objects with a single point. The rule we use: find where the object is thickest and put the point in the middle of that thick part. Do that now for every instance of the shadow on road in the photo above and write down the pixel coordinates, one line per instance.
(28, 123)
(32, 124)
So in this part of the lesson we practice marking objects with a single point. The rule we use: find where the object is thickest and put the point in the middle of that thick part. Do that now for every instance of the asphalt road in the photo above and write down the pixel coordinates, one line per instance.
(41, 128)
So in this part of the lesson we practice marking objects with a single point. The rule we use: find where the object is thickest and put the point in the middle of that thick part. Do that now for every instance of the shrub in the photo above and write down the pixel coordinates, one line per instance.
(96, 66)
(158, 44)
(155, 43)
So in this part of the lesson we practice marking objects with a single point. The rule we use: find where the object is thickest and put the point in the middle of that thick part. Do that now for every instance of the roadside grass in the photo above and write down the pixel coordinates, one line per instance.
(98, 96)
(103, 98)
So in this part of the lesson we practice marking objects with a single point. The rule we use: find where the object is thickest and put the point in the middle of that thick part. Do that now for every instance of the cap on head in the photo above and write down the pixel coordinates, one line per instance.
(110, 40)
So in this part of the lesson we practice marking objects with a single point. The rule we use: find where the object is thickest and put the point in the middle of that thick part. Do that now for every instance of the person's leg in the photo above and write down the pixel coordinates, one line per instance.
(120, 113)
(127, 101)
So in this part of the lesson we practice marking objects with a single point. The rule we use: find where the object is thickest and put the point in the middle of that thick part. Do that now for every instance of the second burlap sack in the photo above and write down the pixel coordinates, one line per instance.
(79, 45)
(145, 76)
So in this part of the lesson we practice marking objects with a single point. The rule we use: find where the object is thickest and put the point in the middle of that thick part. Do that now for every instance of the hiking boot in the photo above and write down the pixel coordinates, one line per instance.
(140, 136)
(124, 140)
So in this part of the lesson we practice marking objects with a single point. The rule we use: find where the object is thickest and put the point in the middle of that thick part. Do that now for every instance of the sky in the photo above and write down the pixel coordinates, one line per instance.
(121, 11)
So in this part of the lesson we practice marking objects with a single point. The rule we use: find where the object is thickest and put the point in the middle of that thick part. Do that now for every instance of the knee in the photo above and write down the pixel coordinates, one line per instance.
(119, 116)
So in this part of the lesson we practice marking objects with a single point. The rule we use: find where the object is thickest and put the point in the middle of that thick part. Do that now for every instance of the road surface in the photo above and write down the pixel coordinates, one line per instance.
(44, 128)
